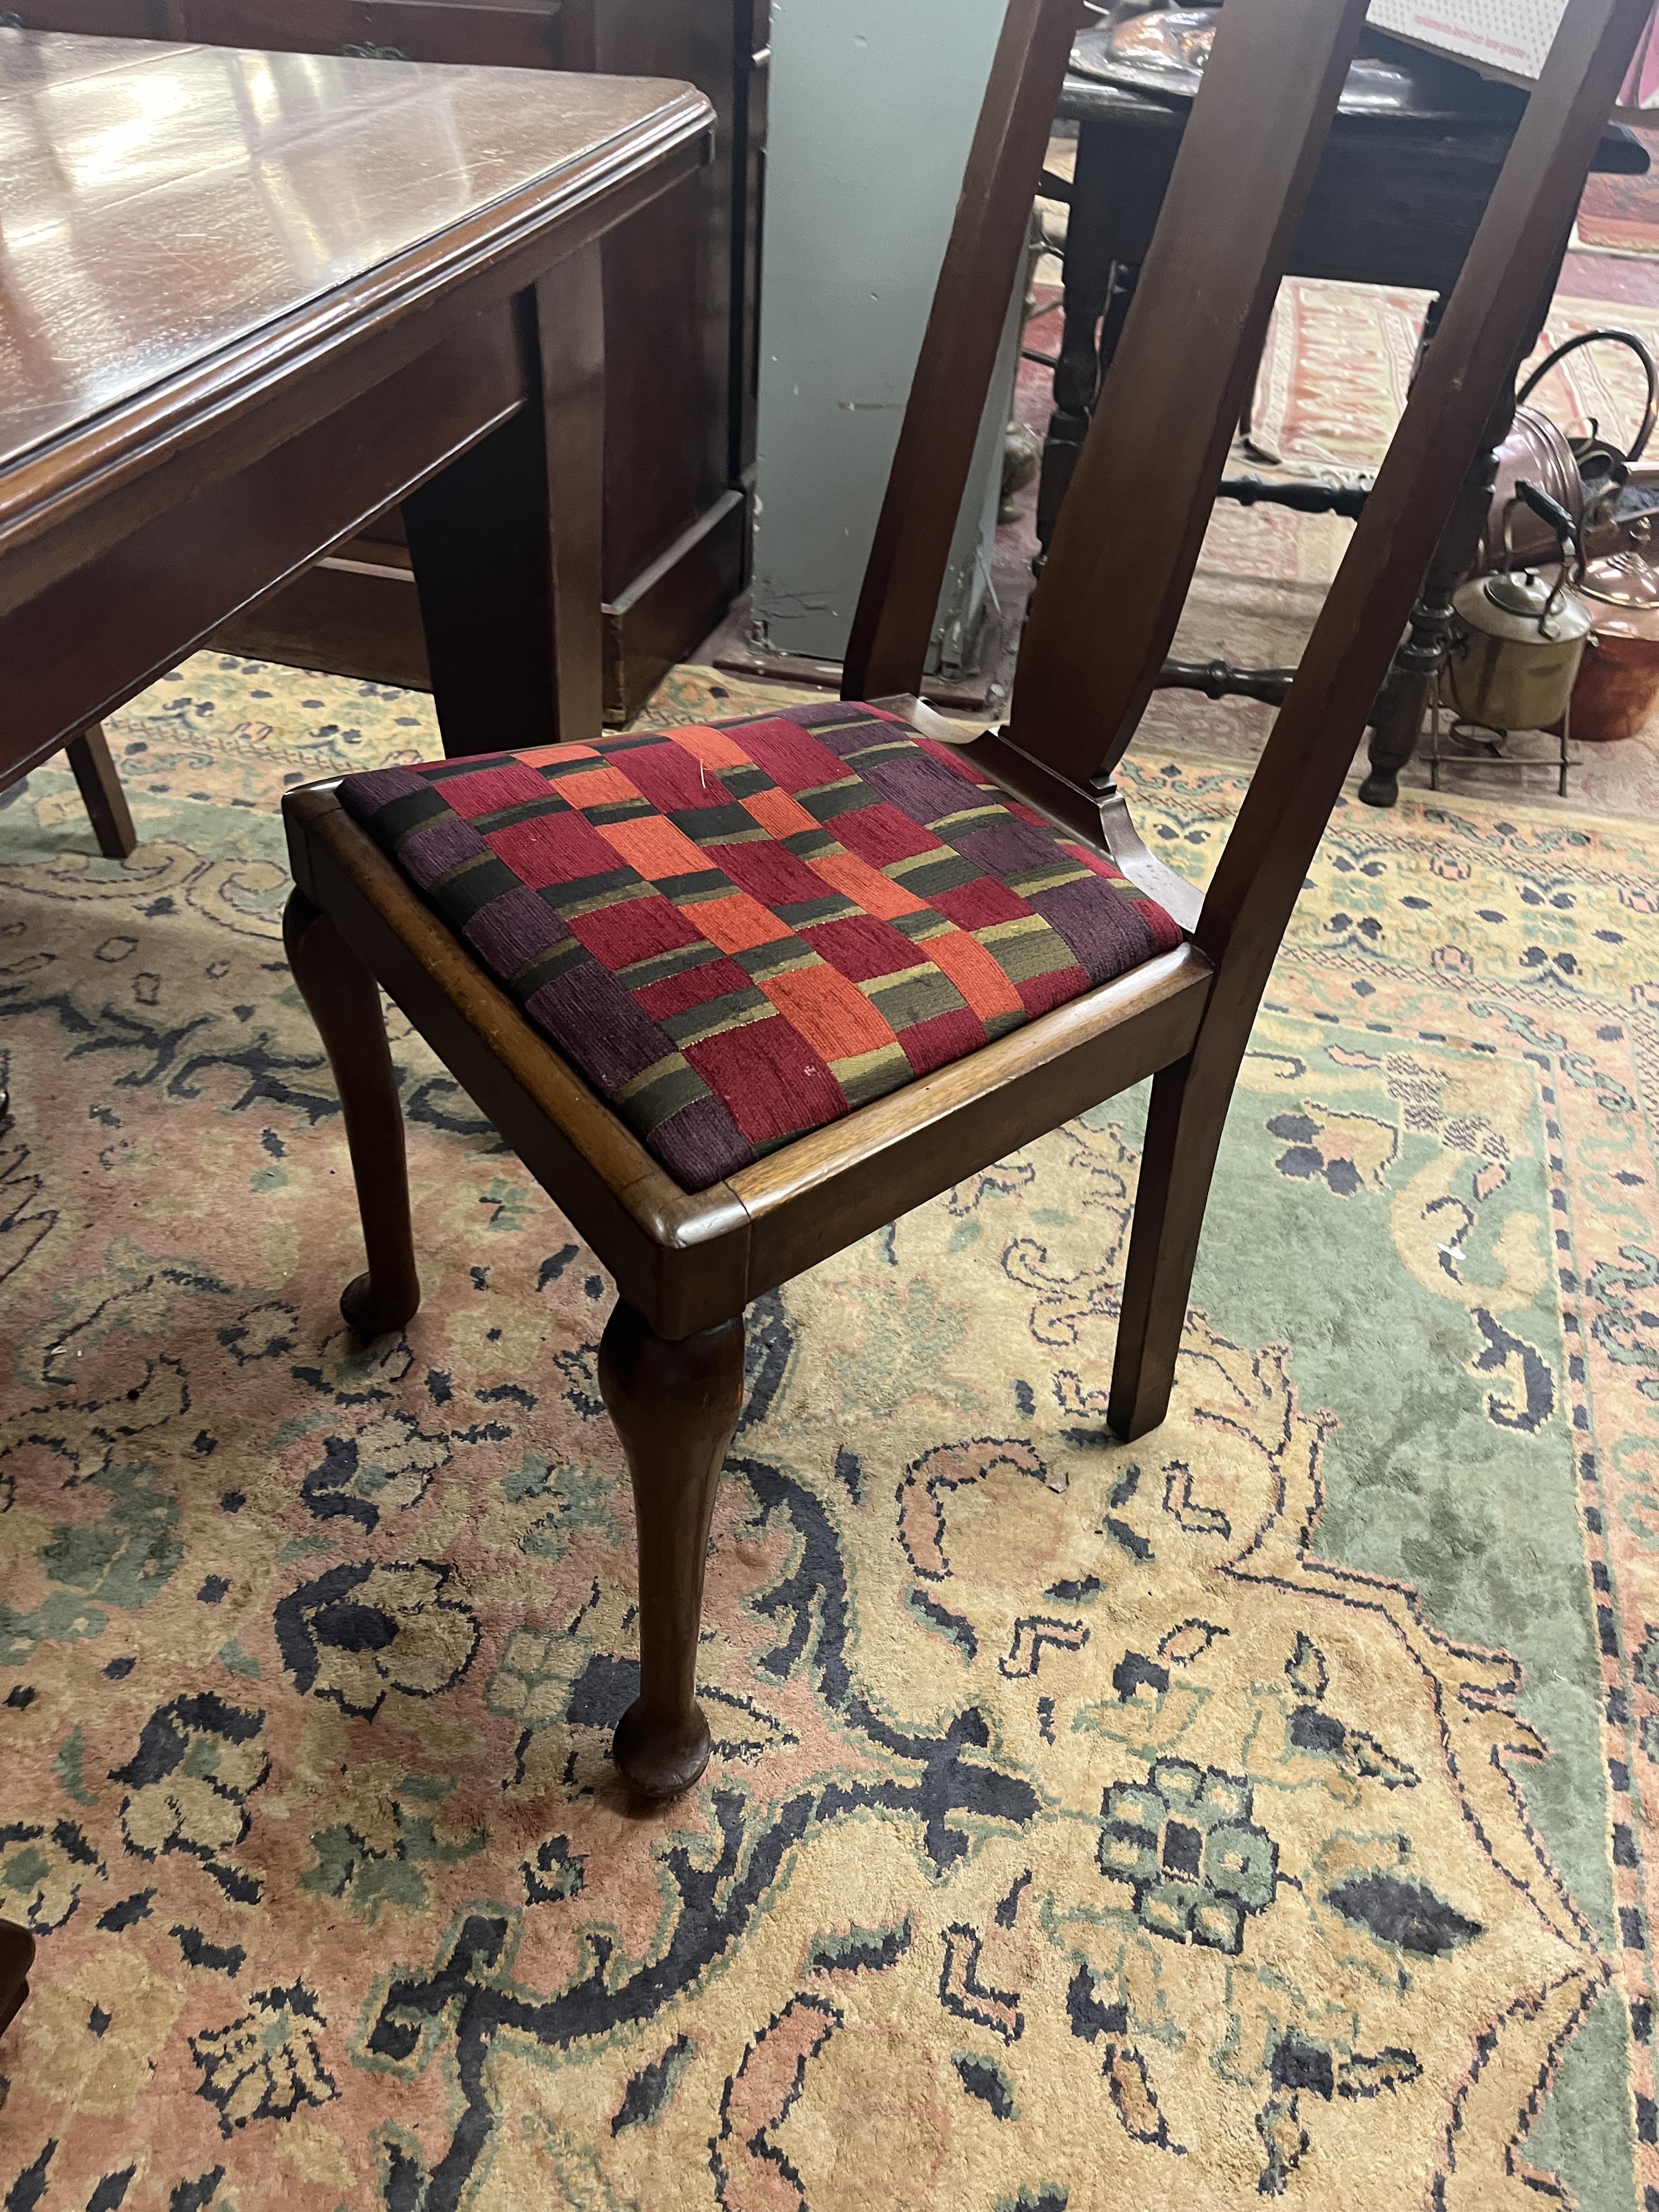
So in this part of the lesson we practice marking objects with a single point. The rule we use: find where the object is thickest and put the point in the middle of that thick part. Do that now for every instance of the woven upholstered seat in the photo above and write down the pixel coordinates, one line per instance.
(739, 932)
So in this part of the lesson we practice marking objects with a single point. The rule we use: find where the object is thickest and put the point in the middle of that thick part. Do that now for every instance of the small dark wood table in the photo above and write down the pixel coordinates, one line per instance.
(1399, 191)
(247, 300)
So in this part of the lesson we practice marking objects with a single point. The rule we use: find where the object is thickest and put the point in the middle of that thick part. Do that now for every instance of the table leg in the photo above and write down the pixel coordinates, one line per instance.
(100, 788)
(1404, 698)
(1397, 724)
(505, 542)
(1094, 285)
(570, 335)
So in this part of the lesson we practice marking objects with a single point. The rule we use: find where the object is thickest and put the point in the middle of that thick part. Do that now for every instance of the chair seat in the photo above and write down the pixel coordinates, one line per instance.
(739, 932)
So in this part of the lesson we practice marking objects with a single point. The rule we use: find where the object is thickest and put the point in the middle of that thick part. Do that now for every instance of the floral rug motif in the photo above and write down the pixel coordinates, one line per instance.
(1262, 1811)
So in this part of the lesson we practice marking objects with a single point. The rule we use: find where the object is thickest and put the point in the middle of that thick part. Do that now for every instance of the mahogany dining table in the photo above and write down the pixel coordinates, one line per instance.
(250, 300)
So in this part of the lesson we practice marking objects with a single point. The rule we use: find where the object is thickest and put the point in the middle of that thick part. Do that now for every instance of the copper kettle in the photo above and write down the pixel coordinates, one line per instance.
(1608, 495)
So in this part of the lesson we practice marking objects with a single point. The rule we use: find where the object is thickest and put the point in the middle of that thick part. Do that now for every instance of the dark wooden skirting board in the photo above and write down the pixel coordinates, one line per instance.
(681, 596)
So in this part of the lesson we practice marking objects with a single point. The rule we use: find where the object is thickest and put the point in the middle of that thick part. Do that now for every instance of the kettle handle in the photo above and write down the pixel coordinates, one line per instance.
(1551, 512)
(1548, 510)
(1643, 353)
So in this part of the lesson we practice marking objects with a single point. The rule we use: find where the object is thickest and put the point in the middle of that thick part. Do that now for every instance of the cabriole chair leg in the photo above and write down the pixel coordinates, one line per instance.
(675, 1405)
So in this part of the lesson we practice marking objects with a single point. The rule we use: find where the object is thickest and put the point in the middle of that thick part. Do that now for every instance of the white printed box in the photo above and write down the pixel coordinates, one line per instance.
(1511, 38)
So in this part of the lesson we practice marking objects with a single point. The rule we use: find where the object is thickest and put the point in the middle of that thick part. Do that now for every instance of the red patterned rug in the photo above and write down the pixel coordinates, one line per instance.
(1623, 212)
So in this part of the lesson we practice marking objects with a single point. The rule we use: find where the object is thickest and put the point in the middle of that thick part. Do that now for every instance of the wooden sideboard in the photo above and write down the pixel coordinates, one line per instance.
(681, 281)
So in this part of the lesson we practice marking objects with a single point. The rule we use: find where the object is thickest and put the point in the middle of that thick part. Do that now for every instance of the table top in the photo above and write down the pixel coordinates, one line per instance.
(1087, 96)
(162, 203)
(1165, 55)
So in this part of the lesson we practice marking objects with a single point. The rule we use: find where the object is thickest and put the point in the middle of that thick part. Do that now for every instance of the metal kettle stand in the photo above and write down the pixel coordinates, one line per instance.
(1441, 716)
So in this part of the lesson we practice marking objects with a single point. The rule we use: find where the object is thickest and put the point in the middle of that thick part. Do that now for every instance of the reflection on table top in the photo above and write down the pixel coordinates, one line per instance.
(161, 201)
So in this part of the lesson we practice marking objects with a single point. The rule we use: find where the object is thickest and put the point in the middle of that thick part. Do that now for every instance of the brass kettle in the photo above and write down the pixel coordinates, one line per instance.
(1522, 635)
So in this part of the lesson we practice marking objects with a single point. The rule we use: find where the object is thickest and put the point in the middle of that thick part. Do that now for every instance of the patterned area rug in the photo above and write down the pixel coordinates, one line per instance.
(1260, 1812)
(1623, 212)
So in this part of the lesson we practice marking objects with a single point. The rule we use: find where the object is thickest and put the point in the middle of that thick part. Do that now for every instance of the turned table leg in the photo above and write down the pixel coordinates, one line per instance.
(1397, 724)
(1404, 698)
(675, 1405)
(1094, 284)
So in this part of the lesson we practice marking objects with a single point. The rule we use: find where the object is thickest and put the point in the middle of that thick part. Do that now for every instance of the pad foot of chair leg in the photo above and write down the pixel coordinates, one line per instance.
(368, 1315)
(1380, 789)
(661, 1759)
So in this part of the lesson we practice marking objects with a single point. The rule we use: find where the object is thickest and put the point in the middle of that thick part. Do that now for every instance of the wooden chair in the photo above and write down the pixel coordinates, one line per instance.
(687, 1260)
